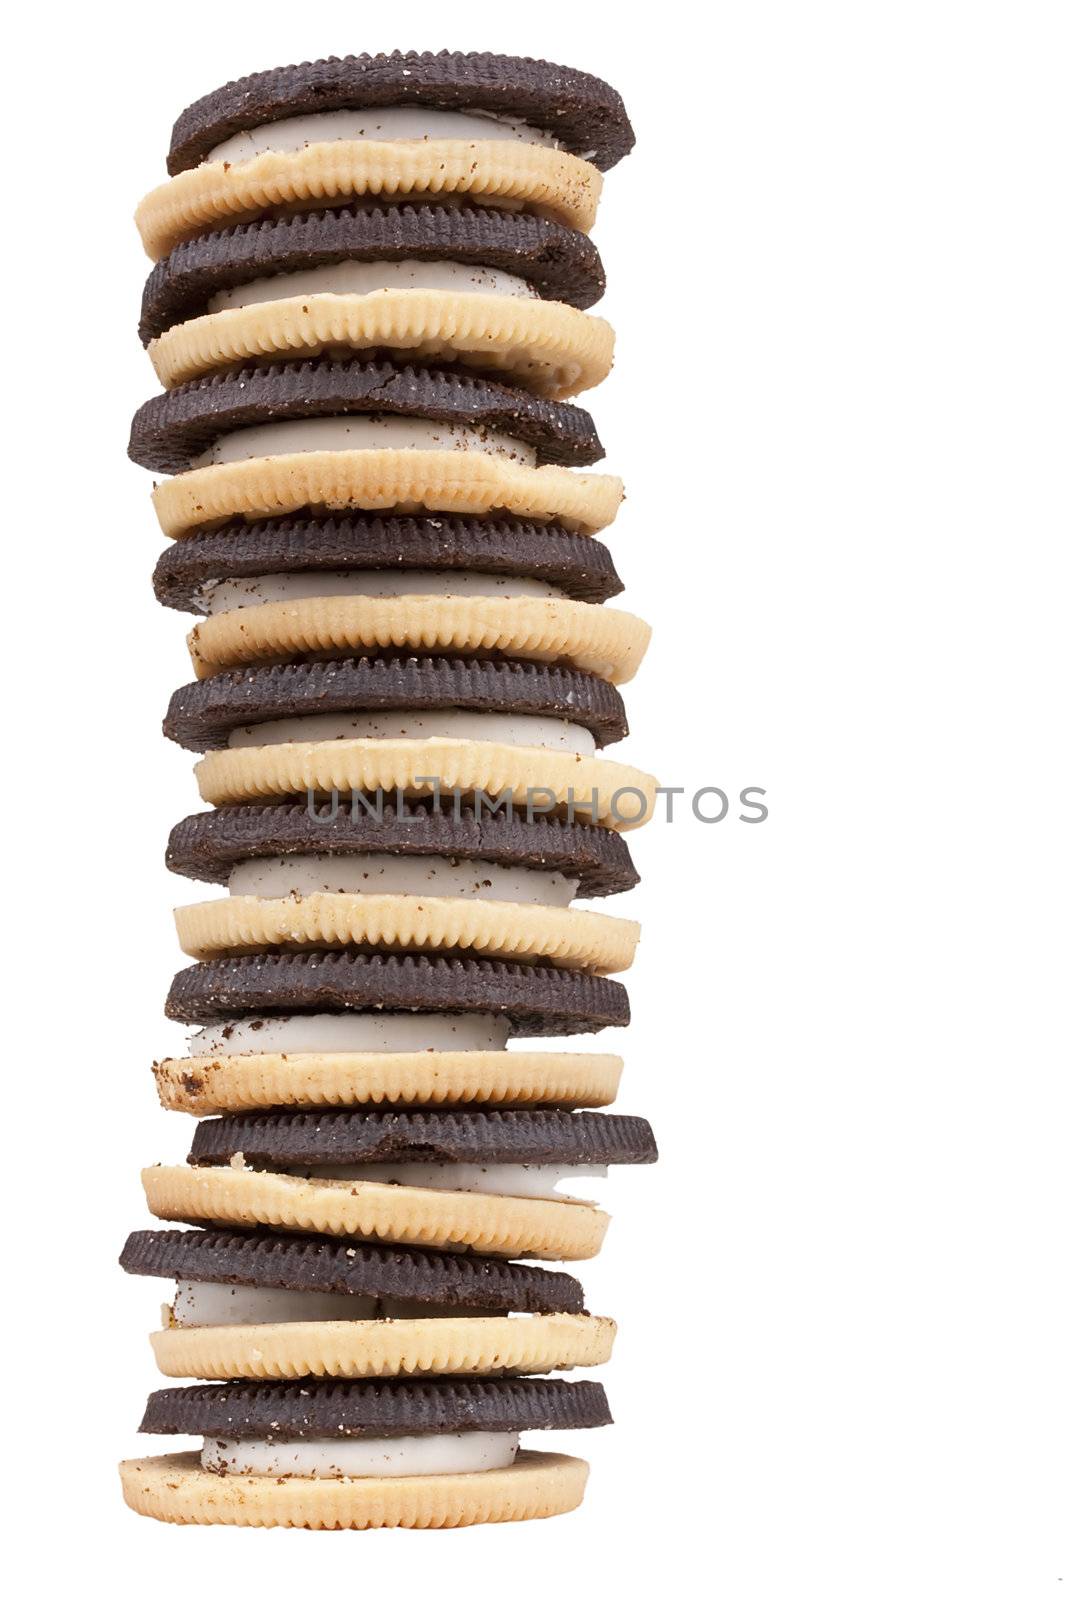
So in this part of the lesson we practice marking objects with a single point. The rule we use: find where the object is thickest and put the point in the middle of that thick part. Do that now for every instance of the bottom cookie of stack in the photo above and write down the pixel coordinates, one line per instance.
(432, 1454)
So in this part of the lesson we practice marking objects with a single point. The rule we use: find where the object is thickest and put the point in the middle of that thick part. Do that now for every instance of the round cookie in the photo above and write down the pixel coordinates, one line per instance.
(172, 430)
(293, 1411)
(203, 715)
(280, 1261)
(582, 112)
(188, 568)
(208, 845)
(176, 1488)
(534, 1000)
(405, 481)
(559, 263)
(600, 640)
(544, 345)
(408, 921)
(266, 1080)
(244, 1197)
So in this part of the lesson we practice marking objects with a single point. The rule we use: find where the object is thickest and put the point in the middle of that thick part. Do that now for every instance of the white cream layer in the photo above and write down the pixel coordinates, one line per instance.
(505, 1178)
(404, 123)
(428, 877)
(418, 1456)
(305, 434)
(369, 277)
(330, 1032)
(230, 594)
(216, 1305)
(546, 733)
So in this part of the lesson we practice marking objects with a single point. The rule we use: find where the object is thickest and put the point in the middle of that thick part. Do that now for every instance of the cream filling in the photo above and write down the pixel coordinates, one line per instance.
(544, 733)
(306, 434)
(219, 1305)
(508, 1179)
(383, 123)
(341, 1032)
(369, 277)
(429, 877)
(229, 594)
(418, 1456)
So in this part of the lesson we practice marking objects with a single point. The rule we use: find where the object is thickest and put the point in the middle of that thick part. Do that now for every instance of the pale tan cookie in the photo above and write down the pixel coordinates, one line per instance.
(551, 347)
(406, 1347)
(177, 1488)
(607, 792)
(406, 481)
(596, 639)
(204, 1085)
(500, 928)
(498, 1225)
(218, 193)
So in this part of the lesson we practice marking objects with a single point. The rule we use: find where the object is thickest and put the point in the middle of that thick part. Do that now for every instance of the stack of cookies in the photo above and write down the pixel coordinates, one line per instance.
(369, 310)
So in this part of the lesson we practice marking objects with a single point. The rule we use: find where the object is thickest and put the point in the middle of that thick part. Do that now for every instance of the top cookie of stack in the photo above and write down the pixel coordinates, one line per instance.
(368, 309)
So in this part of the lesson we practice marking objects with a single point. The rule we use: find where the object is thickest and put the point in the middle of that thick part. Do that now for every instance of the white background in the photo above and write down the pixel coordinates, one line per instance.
(837, 274)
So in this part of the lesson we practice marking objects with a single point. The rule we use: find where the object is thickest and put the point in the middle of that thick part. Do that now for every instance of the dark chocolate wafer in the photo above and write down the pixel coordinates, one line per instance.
(325, 1409)
(536, 1000)
(485, 1138)
(581, 567)
(208, 845)
(202, 715)
(394, 1272)
(584, 114)
(172, 429)
(561, 263)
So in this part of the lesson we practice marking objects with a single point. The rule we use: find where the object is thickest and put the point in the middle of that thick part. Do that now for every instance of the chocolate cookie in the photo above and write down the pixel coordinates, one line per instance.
(202, 715)
(536, 1000)
(559, 262)
(581, 567)
(209, 844)
(331, 1410)
(282, 1261)
(171, 430)
(484, 1138)
(584, 114)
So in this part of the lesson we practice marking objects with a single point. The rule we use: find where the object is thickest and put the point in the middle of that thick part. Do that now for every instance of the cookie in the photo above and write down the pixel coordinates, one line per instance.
(484, 1138)
(178, 1488)
(546, 346)
(534, 1000)
(172, 430)
(495, 928)
(239, 1196)
(205, 1084)
(601, 640)
(278, 1261)
(298, 1411)
(582, 112)
(470, 483)
(387, 1347)
(559, 263)
(189, 569)
(204, 715)
(501, 172)
(208, 845)
(533, 780)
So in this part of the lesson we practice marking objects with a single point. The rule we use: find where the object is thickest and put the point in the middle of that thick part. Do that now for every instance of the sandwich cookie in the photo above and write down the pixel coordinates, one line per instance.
(191, 571)
(485, 1180)
(344, 1029)
(268, 1305)
(440, 1453)
(362, 248)
(505, 734)
(511, 132)
(427, 282)
(288, 436)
